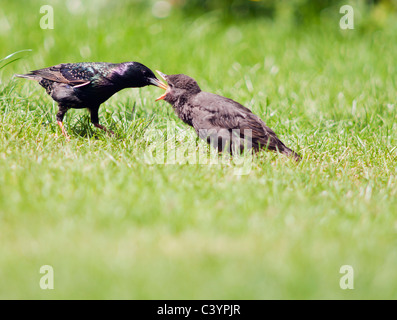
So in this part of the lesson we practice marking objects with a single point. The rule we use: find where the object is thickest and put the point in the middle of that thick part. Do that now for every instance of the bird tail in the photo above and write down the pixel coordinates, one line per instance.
(30, 76)
(291, 153)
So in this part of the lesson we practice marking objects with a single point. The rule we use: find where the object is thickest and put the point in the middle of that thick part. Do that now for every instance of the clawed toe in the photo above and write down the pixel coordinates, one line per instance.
(63, 130)
(103, 128)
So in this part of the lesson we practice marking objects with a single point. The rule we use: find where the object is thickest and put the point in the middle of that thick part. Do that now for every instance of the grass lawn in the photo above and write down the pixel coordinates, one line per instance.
(113, 225)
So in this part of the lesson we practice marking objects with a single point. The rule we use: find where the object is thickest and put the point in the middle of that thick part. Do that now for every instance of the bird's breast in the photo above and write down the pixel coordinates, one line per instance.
(184, 112)
(96, 93)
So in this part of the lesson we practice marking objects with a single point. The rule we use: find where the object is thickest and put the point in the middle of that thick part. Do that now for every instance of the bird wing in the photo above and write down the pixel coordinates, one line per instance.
(213, 111)
(76, 75)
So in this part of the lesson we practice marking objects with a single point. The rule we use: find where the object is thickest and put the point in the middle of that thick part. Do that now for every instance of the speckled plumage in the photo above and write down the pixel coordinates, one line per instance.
(89, 84)
(218, 120)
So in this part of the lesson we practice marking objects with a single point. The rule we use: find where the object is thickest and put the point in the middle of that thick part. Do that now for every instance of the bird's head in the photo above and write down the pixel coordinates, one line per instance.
(136, 75)
(178, 85)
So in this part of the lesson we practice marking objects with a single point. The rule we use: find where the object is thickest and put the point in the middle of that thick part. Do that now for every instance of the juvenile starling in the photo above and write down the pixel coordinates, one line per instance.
(218, 120)
(89, 84)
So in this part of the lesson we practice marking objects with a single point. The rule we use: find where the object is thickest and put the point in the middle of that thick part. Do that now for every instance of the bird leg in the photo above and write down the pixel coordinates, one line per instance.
(60, 124)
(60, 115)
(95, 120)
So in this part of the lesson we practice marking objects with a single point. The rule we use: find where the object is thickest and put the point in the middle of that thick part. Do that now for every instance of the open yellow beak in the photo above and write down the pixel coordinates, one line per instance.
(165, 87)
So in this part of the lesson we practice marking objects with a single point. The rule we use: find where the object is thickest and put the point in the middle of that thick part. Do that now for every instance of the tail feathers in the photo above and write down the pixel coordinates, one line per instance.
(30, 76)
(290, 153)
(276, 144)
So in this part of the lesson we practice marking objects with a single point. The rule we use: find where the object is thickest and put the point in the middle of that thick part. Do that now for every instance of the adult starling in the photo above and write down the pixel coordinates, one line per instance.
(89, 84)
(220, 121)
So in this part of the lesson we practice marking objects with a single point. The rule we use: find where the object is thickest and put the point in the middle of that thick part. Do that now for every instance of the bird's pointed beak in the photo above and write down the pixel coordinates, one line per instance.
(162, 75)
(166, 88)
(156, 82)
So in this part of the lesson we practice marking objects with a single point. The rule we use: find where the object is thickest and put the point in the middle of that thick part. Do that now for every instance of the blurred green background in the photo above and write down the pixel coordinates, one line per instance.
(99, 27)
(114, 226)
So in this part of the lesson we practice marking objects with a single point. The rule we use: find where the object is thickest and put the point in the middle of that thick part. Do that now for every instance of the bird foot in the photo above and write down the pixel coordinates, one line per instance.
(63, 130)
(103, 128)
